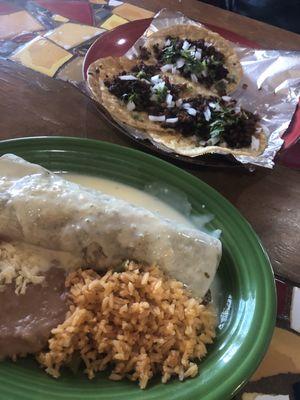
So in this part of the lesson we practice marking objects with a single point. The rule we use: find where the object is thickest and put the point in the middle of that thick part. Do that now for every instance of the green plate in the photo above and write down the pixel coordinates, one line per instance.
(247, 296)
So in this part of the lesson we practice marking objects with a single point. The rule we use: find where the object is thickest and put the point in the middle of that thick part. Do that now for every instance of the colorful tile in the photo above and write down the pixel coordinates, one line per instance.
(115, 3)
(295, 310)
(98, 1)
(97, 7)
(43, 15)
(7, 47)
(113, 21)
(25, 37)
(8, 8)
(75, 10)
(70, 35)
(132, 12)
(101, 15)
(16, 23)
(72, 71)
(59, 18)
(42, 55)
(283, 355)
(83, 48)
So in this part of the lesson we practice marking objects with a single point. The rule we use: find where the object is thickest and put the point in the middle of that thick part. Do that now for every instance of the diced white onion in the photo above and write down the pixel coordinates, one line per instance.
(174, 70)
(166, 67)
(194, 78)
(185, 45)
(180, 63)
(212, 105)
(207, 114)
(202, 142)
(169, 99)
(254, 143)
(158, 86)
(186, 106)
(198, 54)
(157, 118)
(167, 42)
(213, 141)
(237, 109)
(171, 105)
(155, 79)
(171, 120)
(127, 78)
(130, 106)
(178, 102)
(192, 49)
(226, 98)
(192, 111)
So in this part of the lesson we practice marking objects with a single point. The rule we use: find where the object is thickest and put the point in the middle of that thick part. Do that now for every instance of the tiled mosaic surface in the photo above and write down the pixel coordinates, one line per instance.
(52, 37)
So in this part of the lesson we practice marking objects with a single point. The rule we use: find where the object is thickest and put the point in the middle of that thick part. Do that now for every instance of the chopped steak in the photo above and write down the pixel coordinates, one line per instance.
(144, 53)
(137, 91)
(27, 320)
(213, 120)
(193, 59)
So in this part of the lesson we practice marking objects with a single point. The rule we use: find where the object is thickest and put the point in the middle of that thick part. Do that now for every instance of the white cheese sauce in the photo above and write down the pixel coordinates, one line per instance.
(174, 207)
(131, 195)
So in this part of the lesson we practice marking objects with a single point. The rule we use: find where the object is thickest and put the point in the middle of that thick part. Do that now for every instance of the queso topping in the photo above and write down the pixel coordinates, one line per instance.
(193, 59)
(214, 120)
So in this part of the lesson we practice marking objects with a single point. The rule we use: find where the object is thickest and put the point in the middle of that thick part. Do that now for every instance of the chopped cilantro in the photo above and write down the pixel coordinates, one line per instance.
(133, 97)
(161, 94)
(141, 75)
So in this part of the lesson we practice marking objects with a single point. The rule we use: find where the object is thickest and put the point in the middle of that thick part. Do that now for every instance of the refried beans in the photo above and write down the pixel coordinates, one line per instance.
(26, 320)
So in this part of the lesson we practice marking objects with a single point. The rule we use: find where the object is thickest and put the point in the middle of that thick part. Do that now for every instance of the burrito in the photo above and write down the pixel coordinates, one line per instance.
(42, 209)
(172, 112)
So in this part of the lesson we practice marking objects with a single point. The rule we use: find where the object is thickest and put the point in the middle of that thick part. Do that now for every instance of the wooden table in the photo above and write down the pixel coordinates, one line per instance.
(32, 104)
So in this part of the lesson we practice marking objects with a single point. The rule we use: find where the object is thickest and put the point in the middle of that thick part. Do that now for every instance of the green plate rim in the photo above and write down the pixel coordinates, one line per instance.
(250, 362)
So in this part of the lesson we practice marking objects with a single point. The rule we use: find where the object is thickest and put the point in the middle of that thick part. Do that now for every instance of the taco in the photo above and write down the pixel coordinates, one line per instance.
(201, 56)
(135, 94)
(130, 90)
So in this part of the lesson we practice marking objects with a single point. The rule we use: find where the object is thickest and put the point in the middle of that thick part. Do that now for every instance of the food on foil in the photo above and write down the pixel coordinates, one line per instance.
(203, 57)
(164, 107)
(70, 293)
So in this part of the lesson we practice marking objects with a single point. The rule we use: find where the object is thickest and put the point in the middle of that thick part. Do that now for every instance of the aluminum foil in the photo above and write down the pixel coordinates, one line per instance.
(270, 86)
